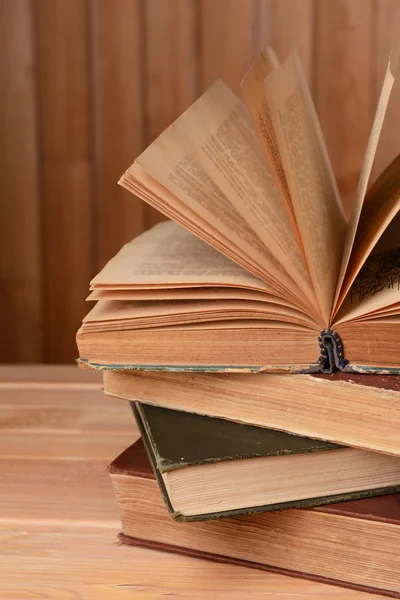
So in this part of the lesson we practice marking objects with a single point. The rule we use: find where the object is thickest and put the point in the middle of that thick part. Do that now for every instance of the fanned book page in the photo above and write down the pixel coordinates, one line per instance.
(258, 269)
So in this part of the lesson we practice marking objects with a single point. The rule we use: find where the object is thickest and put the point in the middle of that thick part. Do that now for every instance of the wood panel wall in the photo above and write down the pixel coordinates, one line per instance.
(86, 84)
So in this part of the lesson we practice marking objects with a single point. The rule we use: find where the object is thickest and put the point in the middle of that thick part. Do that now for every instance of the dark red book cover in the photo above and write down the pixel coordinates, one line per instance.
(384, 509)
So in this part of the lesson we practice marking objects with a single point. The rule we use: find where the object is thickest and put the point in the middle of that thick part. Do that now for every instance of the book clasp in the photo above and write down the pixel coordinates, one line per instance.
(332, 357)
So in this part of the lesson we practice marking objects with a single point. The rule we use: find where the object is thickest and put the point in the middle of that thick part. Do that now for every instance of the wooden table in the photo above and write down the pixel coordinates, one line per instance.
(58, 518)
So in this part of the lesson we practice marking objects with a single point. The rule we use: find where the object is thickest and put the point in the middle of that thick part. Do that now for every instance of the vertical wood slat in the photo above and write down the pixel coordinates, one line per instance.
(117, 64)
(343, 83)
(171, 67)
(229, 40)
(286, 23)
(387, 35)
(20, 252)
(63, 82)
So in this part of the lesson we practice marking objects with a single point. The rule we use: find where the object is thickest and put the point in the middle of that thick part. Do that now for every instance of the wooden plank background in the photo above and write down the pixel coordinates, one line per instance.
(86, 84)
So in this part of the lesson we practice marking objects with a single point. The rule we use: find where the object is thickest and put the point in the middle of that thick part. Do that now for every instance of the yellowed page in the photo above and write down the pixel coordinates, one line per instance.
(168, 254)
(312, 186)
(220, 133)
(246, 251)
(394, 319)
(346, 275)
(354, 308)
(148, 189)
(169, 162)
(116, 315)
(176, 161)
(253, 90)
(380, 314)
(194, 224)
(381, 206)
(194, 293)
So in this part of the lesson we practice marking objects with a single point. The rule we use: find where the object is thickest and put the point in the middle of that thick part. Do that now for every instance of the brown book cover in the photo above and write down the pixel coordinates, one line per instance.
(354, 544)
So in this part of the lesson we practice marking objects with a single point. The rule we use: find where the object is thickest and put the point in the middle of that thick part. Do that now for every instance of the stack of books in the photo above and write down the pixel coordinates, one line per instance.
(257, 337)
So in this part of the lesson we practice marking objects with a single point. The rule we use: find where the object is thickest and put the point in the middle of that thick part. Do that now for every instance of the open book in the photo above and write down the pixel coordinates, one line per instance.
(258, 269)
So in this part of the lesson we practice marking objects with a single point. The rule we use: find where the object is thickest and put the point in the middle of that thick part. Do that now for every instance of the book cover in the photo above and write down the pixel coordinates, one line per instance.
(178, 441)
(360, 537)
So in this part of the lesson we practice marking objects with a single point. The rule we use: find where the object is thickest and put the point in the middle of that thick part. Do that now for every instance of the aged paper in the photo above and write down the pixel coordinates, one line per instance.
(344, 279)
(249, 256)
(168, 254)
(193, 293)
(170, 163)
(312, 186)
(378, 287)
(236, 196)
(228, 149)
(253, 90)
(385, 300)
(379, 211)
(380, 314)
(116, 315)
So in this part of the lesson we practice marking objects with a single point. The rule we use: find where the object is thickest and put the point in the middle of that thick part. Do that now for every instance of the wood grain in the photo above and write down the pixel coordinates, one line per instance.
(67, 446)
(171, 68)
(81, 557)
(17, 375)
(89, 561)
(343, 84)
(58, 517)
(73, 410)
(20, 249)
(286, 23)
(116, 54)
(171, 62)
(66, 167)
(229, 40)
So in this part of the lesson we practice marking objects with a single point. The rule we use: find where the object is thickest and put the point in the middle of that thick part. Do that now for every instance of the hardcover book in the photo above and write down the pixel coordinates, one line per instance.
(355, 544)
(259, 270)
(209, 468)
(362, 411)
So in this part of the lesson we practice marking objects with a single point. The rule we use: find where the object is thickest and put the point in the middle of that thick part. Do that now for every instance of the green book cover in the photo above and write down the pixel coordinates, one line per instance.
(175, 439)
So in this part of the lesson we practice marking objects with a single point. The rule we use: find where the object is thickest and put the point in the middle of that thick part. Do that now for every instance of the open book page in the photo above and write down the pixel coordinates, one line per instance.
(113, 315)
(150, 190)
(169, 256)
(239, 324)
(377, 285)
(346, 274)
(220, 133)
(195, 293)
(253, 90)
(312, 186)
(140, 183)
(380, 314)
(179, 172)
(176, 161)
(380, 208)
(363, 307)
(235, 240)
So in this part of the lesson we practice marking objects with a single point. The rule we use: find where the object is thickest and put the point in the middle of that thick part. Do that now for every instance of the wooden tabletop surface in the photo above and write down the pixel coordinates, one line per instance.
(58, 518)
